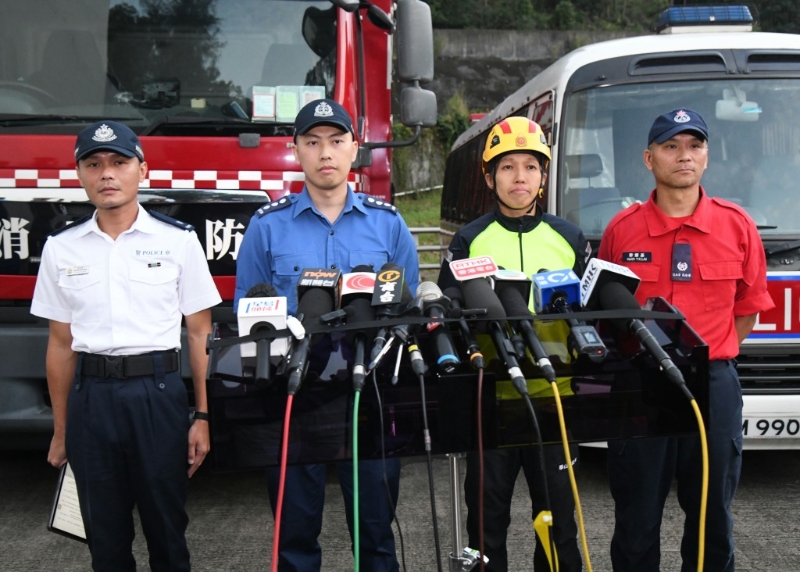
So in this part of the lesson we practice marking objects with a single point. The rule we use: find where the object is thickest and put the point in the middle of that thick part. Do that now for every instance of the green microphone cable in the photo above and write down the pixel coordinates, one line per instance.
(356, 528)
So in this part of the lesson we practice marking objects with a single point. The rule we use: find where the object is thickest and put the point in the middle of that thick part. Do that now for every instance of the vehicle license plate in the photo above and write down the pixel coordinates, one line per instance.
(753, 427)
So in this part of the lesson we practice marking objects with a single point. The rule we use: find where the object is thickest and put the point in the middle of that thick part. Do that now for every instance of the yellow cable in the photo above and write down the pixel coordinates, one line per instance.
(573, 482)
(704, 487)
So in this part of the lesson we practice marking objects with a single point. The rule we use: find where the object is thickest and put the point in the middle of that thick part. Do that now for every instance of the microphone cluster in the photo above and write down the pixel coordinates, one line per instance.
(375, 310)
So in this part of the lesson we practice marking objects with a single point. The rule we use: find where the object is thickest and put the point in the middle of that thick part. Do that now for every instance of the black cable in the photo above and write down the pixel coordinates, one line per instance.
(481, 474)
(430, 475)
(386, 478)
(543, 468)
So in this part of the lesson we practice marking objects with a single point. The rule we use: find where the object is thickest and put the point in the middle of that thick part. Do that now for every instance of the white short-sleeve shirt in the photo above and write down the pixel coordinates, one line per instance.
(123, 296)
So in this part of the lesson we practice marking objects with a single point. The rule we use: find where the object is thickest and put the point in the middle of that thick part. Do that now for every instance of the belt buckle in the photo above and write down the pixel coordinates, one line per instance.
(113, 366)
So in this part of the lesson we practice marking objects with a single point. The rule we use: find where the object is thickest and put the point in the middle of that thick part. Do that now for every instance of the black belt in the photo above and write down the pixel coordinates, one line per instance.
(123, 367)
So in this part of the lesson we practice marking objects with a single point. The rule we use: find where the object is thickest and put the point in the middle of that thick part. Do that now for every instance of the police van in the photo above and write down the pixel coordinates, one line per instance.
(596, 105)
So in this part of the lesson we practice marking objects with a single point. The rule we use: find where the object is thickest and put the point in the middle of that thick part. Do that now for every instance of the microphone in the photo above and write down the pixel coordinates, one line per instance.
(616, 296)
(560, 291)
(598, 274)
(357, 292)
(392, 299)
(262, 310)
(390, 295)
(456, 311)
(315, 301)
(511, 298)
(478, 292)
(433, 304)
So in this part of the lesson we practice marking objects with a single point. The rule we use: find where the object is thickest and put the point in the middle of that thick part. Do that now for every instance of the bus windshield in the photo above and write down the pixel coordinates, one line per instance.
(146, 62)
(754, 148)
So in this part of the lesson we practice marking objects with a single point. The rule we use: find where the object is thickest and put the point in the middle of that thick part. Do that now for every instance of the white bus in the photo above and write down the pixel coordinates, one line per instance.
(596, 105)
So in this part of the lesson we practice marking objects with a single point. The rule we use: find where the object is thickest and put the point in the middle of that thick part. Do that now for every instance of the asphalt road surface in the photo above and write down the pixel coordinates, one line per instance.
(231, 523)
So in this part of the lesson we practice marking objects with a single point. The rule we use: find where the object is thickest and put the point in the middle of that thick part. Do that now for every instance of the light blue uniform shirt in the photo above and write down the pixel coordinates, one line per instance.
(289, 235)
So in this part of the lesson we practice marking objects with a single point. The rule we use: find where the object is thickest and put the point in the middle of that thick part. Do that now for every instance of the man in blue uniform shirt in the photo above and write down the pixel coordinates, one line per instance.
(327, 225)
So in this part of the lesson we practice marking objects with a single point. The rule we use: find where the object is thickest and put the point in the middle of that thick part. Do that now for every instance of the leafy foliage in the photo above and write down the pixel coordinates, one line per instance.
(773, 15)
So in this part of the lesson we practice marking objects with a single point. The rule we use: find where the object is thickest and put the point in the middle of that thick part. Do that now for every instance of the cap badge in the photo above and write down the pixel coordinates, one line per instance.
(682, 117)
(323, 110)
(521, 141)
(104, 134)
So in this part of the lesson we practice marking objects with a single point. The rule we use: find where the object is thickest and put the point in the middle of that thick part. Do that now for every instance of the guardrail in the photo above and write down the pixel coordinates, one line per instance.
(429, 263)
(417, 191)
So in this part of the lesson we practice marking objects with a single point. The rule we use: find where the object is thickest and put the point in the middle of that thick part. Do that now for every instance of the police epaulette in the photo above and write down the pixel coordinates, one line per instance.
(171, 221)
(78, 222)
(376, 203)
(281, 203)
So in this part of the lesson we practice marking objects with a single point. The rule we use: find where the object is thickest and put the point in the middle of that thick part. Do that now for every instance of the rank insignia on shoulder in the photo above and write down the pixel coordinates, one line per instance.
(78, 222)
(376, 203)
(281, 203)
(171, 221)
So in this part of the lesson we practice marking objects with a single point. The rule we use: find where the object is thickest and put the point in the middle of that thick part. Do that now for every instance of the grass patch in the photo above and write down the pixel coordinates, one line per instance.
(422, 210)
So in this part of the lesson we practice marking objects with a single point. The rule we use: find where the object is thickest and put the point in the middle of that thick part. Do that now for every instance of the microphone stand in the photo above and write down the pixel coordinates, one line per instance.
(462, 558)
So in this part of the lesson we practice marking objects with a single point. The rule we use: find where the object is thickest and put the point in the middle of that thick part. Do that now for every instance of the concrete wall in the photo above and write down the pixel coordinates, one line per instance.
(514, 45)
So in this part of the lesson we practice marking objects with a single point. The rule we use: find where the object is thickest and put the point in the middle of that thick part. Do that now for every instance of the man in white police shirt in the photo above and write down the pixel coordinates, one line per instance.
(327, 225)
(114, 286)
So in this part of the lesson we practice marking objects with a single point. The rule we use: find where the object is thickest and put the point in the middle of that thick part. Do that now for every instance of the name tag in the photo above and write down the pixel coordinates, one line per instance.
(77, 270)
(637, 257)
(681, 262)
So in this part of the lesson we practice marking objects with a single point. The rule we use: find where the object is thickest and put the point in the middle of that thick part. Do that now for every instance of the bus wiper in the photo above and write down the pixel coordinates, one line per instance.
(783, 247)
(190, 120)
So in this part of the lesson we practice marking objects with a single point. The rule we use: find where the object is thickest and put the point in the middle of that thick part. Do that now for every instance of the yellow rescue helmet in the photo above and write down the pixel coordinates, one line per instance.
(515, 135)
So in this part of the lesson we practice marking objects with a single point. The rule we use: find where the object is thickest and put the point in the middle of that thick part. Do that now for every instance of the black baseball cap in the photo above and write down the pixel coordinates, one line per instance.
(108, 136)
(677, 121)
(322, 112)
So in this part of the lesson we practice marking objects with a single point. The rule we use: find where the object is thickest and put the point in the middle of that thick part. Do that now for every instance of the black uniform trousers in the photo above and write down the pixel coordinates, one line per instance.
(501, 468)
(640, 475)
(127, 444)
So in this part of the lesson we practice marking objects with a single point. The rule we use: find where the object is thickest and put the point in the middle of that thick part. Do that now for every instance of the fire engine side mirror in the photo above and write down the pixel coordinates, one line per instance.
(414, 43)
(418, 107)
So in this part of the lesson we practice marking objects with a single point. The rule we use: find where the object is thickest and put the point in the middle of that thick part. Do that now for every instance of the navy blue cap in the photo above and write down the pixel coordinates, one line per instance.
(677, 121)
(322, 112)
(108, 136)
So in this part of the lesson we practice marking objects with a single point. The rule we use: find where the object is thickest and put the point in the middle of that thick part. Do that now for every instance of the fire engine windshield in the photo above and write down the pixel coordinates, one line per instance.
(754, 148)
(161, 66)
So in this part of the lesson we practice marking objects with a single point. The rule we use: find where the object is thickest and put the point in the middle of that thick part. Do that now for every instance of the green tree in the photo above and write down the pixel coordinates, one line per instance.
(565, 16)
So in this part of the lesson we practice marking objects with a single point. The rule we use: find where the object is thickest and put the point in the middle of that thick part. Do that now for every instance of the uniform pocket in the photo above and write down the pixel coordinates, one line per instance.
(719, 281)
(78, 282)
(154, 275)
(83, 291)
(288, 267)
(648, 272)
(154, 289)
(374, 258)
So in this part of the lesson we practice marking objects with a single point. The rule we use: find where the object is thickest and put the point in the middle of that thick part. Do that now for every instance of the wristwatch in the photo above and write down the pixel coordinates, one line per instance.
(202, 415)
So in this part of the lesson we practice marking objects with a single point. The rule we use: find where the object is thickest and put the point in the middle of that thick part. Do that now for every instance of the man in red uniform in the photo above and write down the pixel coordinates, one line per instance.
(705, 256)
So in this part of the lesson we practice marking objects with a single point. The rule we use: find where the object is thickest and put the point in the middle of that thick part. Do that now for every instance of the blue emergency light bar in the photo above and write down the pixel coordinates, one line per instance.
(681, 16)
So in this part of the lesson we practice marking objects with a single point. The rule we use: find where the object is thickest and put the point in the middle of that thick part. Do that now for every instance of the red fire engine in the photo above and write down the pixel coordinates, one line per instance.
(212, 88)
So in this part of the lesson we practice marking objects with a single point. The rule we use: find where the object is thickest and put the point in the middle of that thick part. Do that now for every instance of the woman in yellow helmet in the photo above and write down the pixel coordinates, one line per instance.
(518, 235)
